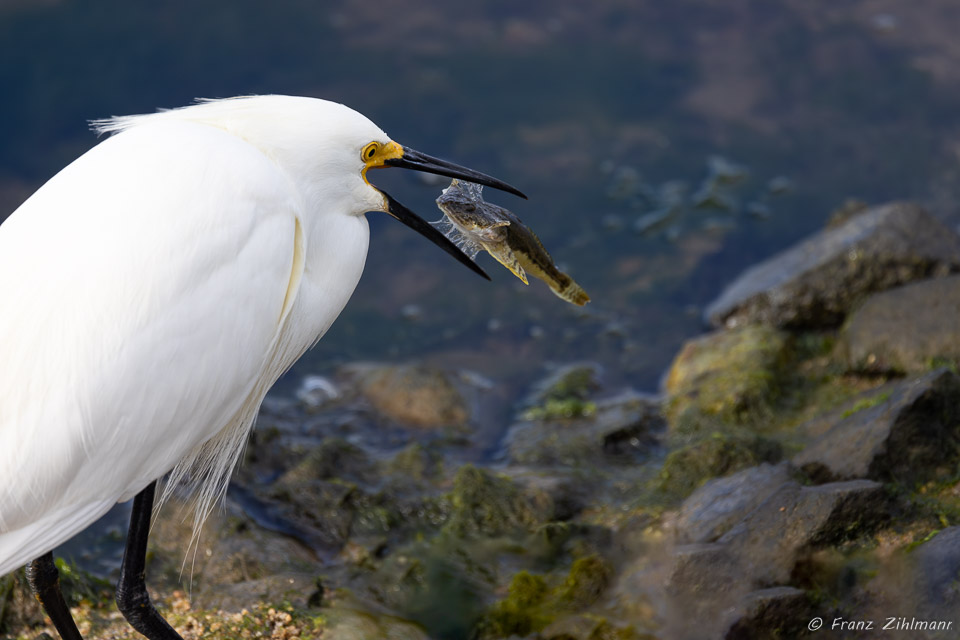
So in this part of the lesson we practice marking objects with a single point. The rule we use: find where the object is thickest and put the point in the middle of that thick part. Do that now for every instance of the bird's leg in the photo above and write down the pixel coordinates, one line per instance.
(44, 581)
(132, 597)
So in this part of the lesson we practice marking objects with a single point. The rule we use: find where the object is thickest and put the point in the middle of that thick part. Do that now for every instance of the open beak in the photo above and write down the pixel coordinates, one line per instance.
(393, 155)
(424, 228)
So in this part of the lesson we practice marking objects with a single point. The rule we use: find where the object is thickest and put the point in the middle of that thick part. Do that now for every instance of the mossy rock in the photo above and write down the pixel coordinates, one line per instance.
(415, 463)
(483, 503)
(565, 394)
(531, 604)
(588, 578)
(720, 454)
(332, 458)
(591, 627)
(519, 614)
(733, 377)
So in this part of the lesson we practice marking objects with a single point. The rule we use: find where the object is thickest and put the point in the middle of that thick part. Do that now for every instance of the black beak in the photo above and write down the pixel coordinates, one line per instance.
(424, 228)
(422, 162)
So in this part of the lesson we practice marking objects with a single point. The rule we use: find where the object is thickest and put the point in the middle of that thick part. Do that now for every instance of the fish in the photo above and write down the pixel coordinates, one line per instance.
(476, 225)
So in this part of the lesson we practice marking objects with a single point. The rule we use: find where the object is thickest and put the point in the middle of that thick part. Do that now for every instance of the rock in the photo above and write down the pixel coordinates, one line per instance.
(565, 393)
(778, 612)
(770, 540)
(918, 587)
(901, 433)
(705, 580)
(483, 503)
(719, 504)
(937, 568)
(816, 282)
(720, 454)
(353, 623)
(531, 605)
(731, 375)
(761, 551)
(619, 430)
(590, 627)
(333, 458)
(413, 395)
(906, 329)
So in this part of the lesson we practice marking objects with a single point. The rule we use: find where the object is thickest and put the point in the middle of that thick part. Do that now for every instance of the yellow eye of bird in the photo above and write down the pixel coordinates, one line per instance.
(370, 150)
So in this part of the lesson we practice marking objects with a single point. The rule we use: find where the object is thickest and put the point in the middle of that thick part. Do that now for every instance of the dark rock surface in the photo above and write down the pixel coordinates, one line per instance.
(710, 580)
(937, 564)
(906, 329)
(777, 612)
(816, 282)
(900, 433)
(769, 541)
(719, 504)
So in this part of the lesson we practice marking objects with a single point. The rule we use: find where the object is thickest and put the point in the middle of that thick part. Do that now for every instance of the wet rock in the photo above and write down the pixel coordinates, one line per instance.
(816, 282)
(731, 375)
(414, 464)
(565, 393)
(532, 605)
(906, 329)
(588, 578)
(705, 579)
(761, 551)
(620, 429)
(413, 395)
(937, 568)
(590, 627)
(918, 588)
(719, 504)
(483, 503)
(333, 458)
(769, 541)
(720, 454)
(778, 612)
(901, 433)
(294, 588)
(349, 623)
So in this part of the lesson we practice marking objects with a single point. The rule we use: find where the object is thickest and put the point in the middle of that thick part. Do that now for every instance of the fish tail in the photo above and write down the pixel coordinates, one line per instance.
(571, 292)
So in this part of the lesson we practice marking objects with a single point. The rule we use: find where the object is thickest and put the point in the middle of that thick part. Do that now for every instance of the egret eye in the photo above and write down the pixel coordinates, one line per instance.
(370, 150)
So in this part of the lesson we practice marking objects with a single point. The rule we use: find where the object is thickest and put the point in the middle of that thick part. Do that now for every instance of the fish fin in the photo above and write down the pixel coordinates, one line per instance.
(511, 263)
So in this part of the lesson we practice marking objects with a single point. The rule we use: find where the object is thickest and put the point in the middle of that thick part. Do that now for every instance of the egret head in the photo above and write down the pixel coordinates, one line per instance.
(378, 154)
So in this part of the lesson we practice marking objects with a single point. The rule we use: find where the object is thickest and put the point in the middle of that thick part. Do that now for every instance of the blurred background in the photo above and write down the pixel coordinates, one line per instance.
(665, 146)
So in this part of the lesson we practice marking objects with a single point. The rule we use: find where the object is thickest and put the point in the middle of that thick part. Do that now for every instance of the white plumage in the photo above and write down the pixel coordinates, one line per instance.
(154, 289)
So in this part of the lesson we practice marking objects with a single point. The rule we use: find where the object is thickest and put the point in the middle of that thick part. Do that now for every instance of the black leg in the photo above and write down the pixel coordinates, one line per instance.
(132, 598)
(44, 581)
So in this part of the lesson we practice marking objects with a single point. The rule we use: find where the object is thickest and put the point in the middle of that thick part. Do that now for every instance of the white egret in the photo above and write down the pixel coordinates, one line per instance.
(153, 291)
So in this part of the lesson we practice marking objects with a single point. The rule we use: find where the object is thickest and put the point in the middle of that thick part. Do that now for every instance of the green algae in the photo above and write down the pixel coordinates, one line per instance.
(866, 403)
(531, 604)
(487, 504)
(719, 454)
(735, 377)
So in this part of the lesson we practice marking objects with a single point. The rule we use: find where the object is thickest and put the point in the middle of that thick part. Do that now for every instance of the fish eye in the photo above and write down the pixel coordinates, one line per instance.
(370, 150)
(469, 207)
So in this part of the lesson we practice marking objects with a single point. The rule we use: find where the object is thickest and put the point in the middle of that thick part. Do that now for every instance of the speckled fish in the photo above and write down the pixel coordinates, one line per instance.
(477, 225)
